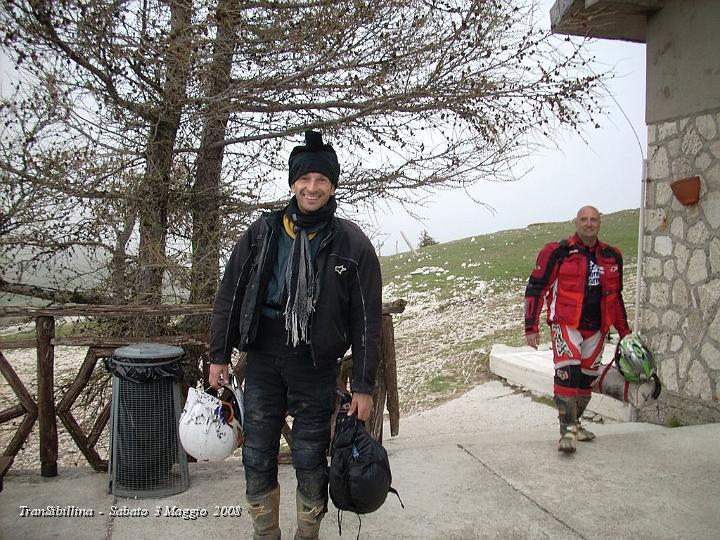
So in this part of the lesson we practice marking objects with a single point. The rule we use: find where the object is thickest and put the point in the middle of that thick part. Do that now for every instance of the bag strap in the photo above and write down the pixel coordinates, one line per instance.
(394, 492)
(658, 386)
(601, 380)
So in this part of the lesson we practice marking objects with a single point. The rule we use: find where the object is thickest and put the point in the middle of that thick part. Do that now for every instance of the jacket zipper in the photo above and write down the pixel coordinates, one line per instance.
(232, 305)
(316, 291)
(258, 277)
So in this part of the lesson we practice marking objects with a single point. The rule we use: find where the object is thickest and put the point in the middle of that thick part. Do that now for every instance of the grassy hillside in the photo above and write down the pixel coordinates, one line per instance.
(505, 255)
(466, 295)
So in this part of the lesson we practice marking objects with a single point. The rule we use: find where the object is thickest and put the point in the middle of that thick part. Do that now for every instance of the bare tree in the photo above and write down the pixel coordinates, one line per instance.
(112, 78)
(155, 129)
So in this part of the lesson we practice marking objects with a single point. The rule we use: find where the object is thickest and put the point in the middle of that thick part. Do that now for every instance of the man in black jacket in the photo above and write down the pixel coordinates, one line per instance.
(301, 287)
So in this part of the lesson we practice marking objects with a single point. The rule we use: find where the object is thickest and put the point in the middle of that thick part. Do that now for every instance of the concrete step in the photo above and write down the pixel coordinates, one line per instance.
(533, 369)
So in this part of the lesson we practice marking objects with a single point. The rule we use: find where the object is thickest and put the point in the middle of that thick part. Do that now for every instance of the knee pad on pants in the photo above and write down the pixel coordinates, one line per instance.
(261, 470)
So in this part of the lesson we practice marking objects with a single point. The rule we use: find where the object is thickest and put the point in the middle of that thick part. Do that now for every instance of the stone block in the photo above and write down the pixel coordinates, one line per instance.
(663, 341)
(670, 321)
(650, 197)
(710, 356)
(654, 219)
(703, 161)
(684, 361)
(653, 268)
(714, 328)
(651, 322)
(658, 165)
(676, 343)
(710, 205)
(715, 148)
(669, 270)
(677, 227)
(706, 127)
(694, 328)
(652, 134)
(666, 130)
(663, 245)
(668, 375)
(693, 211)
(698, 234)
(709, 296)
(691, 143)
(679, 293)
(681, 167)
(673, 148)
(660, 294)
(697, 383)
(663, 193)
(711, 178)
(647, 242)
(714, 255)
(681, 257)
(697, 267)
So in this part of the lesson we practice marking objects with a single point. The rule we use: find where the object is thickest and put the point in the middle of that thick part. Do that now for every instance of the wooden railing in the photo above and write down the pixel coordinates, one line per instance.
(44, 409)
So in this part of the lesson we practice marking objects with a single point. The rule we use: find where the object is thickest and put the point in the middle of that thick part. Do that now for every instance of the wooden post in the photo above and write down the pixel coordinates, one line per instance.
(388, 354)
(375, 422)
(45, 331)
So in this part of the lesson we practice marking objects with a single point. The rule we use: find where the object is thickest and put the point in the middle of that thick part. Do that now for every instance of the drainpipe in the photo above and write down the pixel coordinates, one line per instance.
(632, 412)
(641, 241)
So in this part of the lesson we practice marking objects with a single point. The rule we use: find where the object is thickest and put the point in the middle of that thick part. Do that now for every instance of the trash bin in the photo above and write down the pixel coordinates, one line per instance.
(146, 458)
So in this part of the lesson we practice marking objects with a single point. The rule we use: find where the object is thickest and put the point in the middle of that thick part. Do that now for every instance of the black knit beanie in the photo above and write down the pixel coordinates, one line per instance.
(313, 157)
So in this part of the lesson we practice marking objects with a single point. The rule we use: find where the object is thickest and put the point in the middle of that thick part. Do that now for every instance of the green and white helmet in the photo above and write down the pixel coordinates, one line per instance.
(634, 360)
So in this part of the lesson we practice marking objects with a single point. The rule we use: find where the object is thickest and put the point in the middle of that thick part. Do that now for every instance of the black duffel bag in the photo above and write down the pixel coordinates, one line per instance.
(360, 476)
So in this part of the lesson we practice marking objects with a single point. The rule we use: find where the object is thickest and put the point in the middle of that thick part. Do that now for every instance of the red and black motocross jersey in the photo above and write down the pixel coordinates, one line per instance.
(560, 279)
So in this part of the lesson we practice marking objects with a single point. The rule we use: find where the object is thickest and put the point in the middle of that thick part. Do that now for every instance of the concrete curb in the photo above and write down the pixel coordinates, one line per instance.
(533, 369)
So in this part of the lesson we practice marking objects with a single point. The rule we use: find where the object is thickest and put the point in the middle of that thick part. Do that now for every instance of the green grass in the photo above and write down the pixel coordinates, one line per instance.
(508, 253)
(545, 400)
(442, 383)
(501, 256)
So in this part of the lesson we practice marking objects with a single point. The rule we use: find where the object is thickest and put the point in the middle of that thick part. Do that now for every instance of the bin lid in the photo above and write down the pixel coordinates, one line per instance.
(149, 351)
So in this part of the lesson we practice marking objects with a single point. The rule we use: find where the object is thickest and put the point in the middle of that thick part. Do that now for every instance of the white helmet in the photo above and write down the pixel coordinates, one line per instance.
(211, 429)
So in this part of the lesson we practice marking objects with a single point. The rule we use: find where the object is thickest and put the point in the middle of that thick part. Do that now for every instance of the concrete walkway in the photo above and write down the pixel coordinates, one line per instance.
(484, 465)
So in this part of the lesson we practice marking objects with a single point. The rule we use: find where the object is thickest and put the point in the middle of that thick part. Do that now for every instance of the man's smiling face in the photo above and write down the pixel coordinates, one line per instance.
(313, 190)
(587, 225)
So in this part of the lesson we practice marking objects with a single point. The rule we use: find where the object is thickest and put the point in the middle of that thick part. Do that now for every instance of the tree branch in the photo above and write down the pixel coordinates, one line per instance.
(55, 295)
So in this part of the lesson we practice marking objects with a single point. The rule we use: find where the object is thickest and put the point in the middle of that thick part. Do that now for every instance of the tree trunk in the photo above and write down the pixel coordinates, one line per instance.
(118, 264)
(154, 193)
(208, 167)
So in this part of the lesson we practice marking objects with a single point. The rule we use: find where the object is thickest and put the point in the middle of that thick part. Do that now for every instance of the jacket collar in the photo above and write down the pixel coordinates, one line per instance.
(574, 240)
(274, 219)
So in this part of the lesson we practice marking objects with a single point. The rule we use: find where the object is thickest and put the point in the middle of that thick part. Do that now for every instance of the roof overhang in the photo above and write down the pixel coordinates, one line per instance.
(606, 19)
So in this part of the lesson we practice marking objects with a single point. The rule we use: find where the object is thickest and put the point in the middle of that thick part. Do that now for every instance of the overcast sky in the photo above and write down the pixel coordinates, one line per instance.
(605, 172)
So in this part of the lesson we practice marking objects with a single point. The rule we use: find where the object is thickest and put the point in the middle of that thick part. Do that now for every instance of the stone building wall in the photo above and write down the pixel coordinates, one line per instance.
(680, 297)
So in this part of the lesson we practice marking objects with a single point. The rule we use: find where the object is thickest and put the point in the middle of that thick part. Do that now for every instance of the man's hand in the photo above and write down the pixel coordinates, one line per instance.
(533, 340)
(216, 372)
(361, 405)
